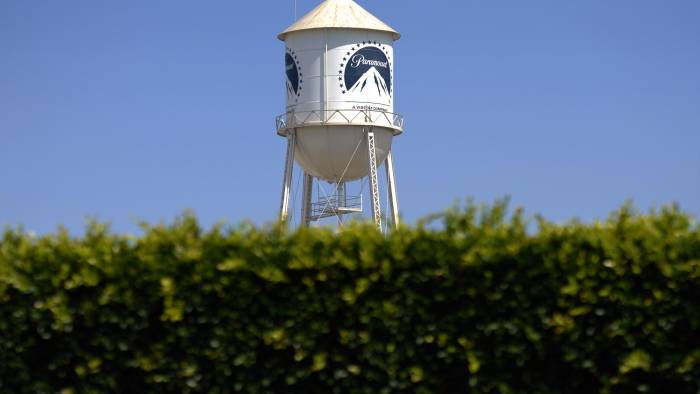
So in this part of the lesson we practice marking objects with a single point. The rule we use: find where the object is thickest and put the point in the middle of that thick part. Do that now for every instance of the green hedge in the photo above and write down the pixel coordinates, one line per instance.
(482, 303)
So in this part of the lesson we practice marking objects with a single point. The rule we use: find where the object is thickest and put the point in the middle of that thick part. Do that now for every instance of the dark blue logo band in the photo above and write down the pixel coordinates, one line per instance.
(367, 70)
(291, 64)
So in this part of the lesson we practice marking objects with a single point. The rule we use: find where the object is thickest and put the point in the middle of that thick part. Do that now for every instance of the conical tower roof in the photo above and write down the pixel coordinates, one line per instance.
(339, 14)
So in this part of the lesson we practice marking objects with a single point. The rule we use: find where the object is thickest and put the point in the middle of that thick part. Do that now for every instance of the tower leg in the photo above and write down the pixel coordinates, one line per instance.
(287, 183)
(306, 199)
(374, 183)
(393, 200)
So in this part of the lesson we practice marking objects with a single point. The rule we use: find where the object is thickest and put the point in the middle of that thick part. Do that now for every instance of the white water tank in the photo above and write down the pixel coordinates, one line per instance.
(339, 66)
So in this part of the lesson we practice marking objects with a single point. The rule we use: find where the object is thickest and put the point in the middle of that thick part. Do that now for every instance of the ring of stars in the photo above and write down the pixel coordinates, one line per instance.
(298, 64)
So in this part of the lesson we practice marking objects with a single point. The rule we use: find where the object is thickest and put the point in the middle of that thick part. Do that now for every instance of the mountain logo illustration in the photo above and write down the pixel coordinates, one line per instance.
(372, 84)
(294, 81)
(367, 70)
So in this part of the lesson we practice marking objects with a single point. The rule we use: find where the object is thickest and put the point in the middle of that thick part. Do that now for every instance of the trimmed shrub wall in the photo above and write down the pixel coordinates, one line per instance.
(476, 304)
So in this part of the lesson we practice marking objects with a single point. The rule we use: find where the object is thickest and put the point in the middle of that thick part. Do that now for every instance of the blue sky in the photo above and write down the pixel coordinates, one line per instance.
(138, 110)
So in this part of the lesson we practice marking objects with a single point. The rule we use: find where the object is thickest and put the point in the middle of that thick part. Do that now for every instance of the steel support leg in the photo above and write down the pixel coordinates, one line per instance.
(287, 183)
(306, 199)
(374, 182)
(393, 200)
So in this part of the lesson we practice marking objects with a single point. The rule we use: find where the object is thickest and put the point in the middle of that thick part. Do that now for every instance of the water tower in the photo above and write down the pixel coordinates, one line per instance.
(340, 120)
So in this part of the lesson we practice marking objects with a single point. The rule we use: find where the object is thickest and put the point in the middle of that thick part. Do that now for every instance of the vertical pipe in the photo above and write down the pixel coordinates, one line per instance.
(341, 201)
(342, 195)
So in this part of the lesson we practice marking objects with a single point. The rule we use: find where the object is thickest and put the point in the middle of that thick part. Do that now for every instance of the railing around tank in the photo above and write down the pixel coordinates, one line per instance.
(339, 117)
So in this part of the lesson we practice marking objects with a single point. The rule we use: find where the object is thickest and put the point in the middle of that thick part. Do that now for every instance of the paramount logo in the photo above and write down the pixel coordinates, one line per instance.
(368, 72)
(360, 60)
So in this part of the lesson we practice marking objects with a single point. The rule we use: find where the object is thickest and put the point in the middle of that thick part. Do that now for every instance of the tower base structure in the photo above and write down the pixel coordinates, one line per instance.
(338, 203)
